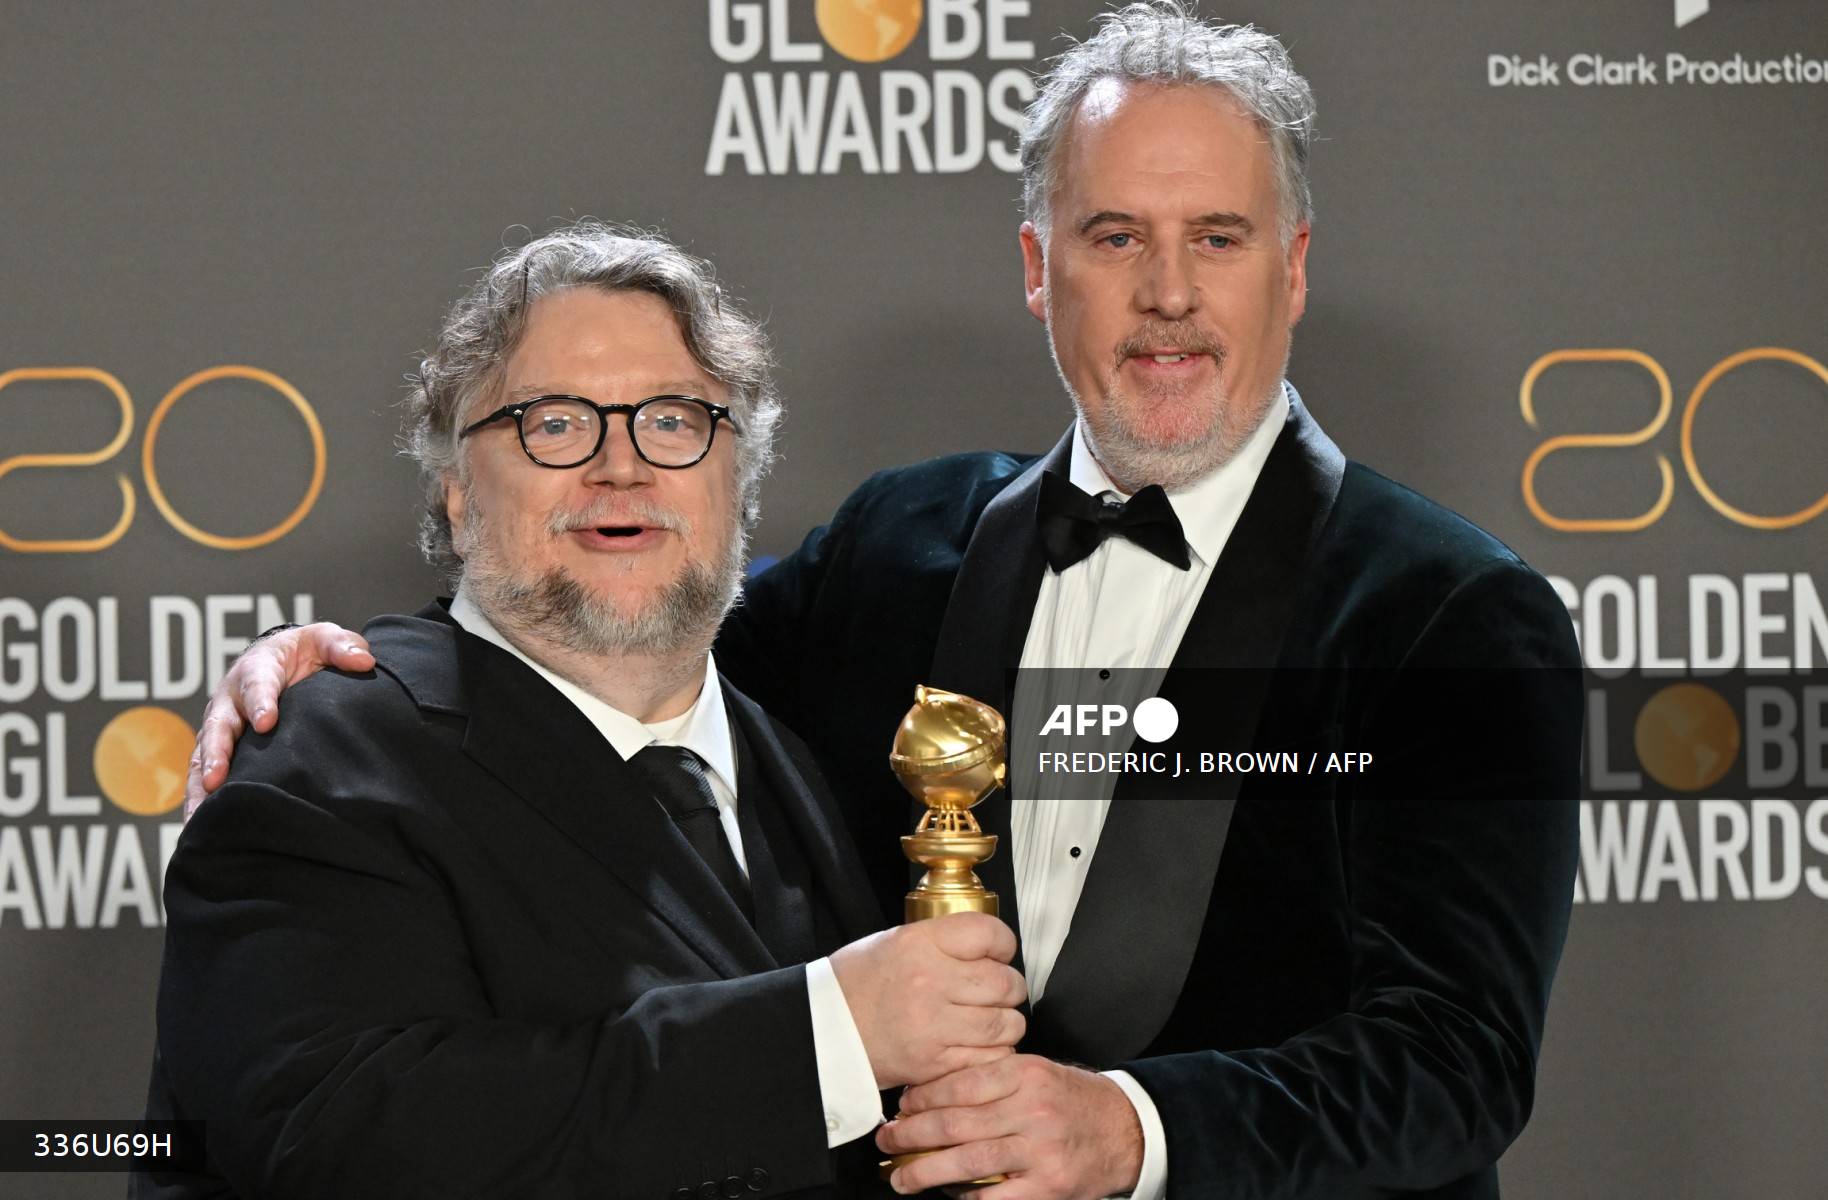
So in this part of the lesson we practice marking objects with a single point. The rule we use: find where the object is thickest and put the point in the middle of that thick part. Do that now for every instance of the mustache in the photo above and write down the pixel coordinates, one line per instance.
(609, 513)
(1180, 338)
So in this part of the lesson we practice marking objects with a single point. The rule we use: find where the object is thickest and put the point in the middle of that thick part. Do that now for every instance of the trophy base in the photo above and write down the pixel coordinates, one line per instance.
(918, 906)
(949, 885)
(887, 1166)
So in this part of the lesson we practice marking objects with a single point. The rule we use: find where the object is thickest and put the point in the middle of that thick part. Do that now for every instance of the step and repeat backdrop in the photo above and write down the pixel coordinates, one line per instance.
(1569, 277)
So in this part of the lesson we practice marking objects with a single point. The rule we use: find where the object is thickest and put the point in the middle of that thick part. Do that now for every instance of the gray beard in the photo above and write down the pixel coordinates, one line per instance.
(1134, 463)
(558, 609)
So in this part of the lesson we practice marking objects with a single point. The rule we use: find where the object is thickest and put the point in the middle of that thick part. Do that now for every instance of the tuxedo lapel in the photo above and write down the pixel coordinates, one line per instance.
(993, 598)
(594, 798)
(1139, 918)
(807, 820)
(1241, 616)
(778, 882)
(986, 626)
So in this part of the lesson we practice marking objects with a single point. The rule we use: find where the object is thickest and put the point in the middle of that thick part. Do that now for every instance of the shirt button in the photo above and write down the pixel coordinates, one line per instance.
(758, 1178)
(708, 1190)
(1074, 852)
(733, 1187)
(1104, 673)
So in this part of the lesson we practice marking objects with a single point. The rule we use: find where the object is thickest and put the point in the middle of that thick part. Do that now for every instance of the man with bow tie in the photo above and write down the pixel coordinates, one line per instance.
(1327, 989)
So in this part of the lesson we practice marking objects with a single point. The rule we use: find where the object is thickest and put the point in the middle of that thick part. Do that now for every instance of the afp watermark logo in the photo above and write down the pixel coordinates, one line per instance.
(1154, 720)
(1076, 732)
(783, 113)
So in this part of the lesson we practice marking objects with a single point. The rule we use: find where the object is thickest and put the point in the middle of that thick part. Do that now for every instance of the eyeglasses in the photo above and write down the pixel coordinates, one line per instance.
(567, 431)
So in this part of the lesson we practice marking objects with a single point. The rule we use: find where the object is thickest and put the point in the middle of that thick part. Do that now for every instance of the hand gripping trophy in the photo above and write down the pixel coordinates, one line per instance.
(950, 753)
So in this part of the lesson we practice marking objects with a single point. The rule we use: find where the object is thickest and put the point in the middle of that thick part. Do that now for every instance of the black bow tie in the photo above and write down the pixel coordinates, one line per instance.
(1073, 524)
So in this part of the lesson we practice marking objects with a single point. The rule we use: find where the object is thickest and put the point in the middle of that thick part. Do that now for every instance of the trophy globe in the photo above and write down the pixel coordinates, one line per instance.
(950, 753)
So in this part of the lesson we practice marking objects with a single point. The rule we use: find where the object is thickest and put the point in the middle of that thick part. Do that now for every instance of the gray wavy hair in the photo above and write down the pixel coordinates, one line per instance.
(1162, 41)
(482, 329)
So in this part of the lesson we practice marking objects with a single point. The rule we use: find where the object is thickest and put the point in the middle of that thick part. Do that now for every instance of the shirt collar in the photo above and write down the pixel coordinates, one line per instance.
(703, 728)
(1210, 507)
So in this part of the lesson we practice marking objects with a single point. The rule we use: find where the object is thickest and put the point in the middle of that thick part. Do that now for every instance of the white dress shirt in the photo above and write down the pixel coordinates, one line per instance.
(1120, 607)
(847, 1085)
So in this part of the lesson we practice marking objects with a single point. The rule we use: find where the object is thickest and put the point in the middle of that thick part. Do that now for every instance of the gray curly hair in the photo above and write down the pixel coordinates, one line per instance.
(1162, 41)
(482, 329)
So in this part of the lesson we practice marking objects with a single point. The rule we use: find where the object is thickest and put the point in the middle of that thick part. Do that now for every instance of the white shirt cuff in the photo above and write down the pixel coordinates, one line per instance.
(1152, 1182)
(847, 1085)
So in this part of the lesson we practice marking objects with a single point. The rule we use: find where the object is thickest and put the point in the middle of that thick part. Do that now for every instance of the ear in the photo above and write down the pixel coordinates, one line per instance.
(1034, 271)
(1298, 274)
(453, 510)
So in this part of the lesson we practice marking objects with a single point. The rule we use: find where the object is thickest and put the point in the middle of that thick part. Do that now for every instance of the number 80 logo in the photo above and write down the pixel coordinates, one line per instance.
(1665, 401)
(148, 467)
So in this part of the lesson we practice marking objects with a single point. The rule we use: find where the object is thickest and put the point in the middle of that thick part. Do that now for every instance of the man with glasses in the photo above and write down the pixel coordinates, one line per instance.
(539, 905)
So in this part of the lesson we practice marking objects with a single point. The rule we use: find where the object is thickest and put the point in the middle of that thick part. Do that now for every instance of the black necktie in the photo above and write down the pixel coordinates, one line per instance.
(683, 788)
(1073, 524)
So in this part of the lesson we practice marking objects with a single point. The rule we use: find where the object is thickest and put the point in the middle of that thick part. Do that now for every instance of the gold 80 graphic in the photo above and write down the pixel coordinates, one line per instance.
(148, 461)
(1690, 460)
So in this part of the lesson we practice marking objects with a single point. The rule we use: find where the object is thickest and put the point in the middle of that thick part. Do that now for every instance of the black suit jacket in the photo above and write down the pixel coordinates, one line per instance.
(1332, 989)
(434, 939)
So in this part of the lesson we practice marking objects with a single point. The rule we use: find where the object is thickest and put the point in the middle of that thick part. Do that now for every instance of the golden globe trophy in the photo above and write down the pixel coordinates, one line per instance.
(950, 752)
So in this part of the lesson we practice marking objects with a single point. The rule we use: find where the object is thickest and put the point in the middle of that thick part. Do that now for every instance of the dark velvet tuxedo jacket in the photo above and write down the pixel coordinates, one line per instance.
(433, 939)
(1334, 989)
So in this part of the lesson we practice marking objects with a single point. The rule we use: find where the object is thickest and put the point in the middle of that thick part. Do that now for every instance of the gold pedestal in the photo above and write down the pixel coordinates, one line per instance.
(951, 884)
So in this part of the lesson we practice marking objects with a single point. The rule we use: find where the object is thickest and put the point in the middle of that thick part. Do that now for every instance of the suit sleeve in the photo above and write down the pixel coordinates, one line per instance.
(863, 595)
(320, 1011)
(1460, 854)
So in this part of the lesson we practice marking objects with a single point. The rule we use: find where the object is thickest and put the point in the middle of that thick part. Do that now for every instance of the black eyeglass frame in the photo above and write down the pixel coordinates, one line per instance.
(517, 410)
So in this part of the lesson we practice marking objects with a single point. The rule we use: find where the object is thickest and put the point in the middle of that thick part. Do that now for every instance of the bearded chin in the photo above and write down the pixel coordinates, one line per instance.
(558, 608)
(1174, 439)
